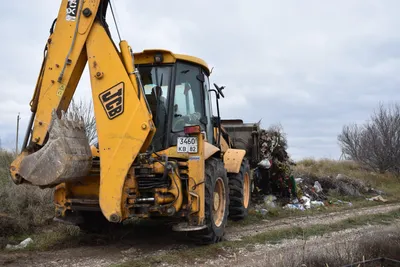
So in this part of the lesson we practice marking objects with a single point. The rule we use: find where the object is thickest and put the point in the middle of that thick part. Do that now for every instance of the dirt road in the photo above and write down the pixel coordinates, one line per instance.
(155, 238)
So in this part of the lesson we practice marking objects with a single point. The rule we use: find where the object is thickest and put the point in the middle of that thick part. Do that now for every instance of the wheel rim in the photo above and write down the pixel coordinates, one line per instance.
(246, 190)
(219, 201)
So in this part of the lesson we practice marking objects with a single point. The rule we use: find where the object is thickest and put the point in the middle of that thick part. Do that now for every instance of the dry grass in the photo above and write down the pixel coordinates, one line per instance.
(22, 207)
(378, 244)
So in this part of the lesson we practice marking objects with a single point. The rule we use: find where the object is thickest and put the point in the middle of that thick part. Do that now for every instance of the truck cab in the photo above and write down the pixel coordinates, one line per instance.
(177, 90)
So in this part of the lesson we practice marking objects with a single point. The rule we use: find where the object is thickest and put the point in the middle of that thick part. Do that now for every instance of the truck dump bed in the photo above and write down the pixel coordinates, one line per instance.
(244, 136)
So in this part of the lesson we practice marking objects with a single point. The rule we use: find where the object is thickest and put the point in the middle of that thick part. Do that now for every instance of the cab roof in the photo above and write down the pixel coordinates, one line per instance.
(147, 57)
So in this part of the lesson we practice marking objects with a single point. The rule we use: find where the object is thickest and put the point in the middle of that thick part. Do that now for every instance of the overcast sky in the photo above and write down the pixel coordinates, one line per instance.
(311, 66)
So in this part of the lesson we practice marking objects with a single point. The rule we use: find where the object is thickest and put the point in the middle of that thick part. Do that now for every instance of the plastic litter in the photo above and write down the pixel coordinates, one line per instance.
(265, 163)
(295, 206)
(263, 212)
(306, 202)
(340, 202)
(21, 245)
(316, 203)
(298, 180)
(317, 187)
(269, 201)
(377, 198)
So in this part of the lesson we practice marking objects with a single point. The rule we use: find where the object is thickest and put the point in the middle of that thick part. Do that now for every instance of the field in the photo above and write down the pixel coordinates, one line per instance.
(333, 234)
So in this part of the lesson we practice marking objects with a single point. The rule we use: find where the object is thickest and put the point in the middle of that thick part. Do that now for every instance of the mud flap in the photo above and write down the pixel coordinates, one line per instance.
(66, 155)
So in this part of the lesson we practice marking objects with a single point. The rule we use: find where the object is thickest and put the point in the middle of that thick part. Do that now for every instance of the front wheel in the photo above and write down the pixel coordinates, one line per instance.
(240, 190)
(216, 203)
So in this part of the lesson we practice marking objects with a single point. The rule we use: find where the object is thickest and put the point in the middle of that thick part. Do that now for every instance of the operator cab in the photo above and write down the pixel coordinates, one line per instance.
(177, 91)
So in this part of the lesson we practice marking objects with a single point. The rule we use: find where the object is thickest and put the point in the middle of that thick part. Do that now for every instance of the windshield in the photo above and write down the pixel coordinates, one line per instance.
(156, 81)
(188, 107)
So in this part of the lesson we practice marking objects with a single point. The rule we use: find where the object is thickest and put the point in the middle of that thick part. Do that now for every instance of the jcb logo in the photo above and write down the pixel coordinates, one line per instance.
(113, 100)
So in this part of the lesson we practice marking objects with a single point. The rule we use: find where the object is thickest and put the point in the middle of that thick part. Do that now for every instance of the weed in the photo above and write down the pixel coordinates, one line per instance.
(22, 207)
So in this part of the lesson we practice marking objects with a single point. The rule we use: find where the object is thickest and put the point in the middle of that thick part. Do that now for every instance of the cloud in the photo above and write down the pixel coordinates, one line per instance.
(311, 66)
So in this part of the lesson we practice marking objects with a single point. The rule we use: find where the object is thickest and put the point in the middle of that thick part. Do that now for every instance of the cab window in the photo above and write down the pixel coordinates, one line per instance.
(188, 104)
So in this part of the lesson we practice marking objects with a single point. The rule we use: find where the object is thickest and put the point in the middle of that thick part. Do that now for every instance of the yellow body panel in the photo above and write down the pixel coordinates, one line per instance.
(224, 144)
(95, 151)
(121, 134)
(233, 159)
(196, 182)
(209, 150)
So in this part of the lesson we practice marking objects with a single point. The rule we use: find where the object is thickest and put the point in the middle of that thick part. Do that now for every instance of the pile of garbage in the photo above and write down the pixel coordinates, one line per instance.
(272, 176)
(275, 184)
(273, 147)
(312, 193)
(341, 185)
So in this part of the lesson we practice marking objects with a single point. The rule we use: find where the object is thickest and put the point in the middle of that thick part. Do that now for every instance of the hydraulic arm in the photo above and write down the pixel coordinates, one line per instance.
(56, 148)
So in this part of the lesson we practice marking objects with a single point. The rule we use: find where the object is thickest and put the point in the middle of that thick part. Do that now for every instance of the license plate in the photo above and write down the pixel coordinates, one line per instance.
(187, 145)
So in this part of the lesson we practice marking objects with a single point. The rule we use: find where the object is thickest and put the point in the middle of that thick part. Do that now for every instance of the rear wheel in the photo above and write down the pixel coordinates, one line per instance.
(240, 190)
(216, 203)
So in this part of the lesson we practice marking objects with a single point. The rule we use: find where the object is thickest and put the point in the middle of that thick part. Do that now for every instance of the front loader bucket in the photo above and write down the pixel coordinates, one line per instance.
(66, 155)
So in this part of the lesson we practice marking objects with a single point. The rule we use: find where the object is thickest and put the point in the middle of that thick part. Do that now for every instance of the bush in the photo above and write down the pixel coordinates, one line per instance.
(376, 143)
(22, 207)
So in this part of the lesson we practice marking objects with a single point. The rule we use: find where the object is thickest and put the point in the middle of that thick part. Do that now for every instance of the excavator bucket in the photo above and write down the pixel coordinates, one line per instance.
(66, 156)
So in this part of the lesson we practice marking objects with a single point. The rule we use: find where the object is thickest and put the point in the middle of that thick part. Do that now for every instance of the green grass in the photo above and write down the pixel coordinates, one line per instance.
(61, 236)
(203, 253)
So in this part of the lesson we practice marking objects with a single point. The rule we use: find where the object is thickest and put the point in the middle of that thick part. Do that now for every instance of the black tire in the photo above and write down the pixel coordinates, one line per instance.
(214, 169)
(237, 208)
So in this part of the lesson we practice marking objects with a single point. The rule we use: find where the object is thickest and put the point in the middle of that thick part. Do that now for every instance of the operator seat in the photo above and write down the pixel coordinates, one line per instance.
(159, 116)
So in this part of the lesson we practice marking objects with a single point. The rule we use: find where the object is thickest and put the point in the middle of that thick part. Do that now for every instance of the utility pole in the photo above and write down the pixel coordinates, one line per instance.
(16, 139)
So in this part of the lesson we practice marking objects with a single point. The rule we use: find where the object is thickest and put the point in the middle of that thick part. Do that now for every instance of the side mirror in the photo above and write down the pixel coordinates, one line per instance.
(219, 89)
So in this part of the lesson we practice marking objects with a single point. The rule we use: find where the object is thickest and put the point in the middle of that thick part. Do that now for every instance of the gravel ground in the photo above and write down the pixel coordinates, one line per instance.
(158, 238)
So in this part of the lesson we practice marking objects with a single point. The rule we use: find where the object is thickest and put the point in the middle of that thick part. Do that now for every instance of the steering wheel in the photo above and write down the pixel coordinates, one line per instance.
(180, 121)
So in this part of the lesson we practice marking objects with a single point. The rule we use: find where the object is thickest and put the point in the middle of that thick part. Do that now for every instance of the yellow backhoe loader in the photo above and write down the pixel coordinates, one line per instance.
(160, 151)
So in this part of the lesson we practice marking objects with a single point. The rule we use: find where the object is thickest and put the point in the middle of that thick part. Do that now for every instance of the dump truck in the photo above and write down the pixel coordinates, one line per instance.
(160, 152)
